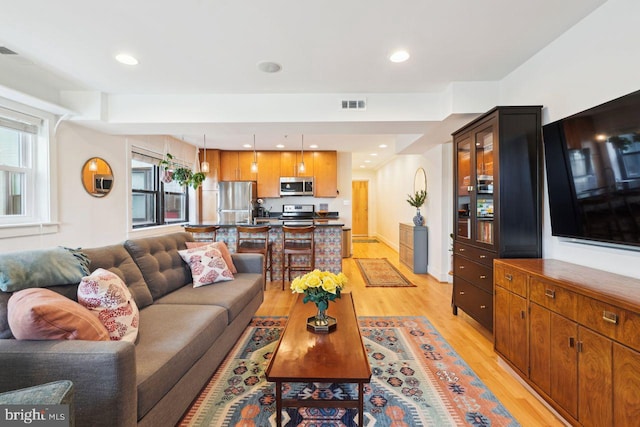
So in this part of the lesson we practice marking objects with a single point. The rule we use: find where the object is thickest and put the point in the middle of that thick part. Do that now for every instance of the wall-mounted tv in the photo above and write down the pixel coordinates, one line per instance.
(593, 173)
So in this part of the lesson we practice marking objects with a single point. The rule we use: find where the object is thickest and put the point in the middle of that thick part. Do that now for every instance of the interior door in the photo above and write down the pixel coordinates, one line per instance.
(360, 208)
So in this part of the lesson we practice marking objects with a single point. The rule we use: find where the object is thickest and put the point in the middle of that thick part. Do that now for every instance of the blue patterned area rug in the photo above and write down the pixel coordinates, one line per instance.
(417, 380)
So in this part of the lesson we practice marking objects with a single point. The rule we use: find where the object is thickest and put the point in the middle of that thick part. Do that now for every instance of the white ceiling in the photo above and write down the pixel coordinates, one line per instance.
(211, 47)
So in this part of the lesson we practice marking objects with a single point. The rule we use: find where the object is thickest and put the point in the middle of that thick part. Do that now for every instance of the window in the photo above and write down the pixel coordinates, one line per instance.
(154, 202)
(21, 194)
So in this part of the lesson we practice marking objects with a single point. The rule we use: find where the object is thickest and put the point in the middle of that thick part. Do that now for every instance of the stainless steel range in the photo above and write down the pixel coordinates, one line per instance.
(297, 214)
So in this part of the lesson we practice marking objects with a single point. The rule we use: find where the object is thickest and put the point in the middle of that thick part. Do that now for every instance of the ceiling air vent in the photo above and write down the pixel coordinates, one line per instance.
(354, 104)
(6, 51)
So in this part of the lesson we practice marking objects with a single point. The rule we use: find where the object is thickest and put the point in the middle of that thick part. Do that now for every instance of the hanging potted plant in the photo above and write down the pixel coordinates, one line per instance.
(183, 175)
(417, 200)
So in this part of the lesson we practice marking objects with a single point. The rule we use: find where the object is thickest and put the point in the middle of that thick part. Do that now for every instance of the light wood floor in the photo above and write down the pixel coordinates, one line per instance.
(431, 299)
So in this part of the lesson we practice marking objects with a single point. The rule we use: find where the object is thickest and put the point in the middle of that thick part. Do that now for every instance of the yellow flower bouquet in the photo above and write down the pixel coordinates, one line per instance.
(319, 287)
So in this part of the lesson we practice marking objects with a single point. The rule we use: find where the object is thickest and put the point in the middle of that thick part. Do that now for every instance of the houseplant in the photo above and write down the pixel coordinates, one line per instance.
(417, 200)
(179, 173)
(320, 287)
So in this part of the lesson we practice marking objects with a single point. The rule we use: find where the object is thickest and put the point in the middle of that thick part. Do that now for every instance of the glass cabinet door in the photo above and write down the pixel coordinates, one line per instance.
(464, 189)
(484, 186)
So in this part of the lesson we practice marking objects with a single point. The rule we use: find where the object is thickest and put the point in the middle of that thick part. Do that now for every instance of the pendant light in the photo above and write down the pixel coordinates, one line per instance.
(301, 167)
(254, 164)
(204, 166)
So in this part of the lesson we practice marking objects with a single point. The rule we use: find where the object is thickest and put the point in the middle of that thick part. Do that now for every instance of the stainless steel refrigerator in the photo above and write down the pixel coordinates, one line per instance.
(236, 202)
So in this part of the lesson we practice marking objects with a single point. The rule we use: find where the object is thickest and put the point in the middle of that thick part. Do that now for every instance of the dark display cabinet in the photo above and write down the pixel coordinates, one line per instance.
(497, 202)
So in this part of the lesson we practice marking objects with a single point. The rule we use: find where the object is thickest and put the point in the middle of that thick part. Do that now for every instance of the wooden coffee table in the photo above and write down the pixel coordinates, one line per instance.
(336, 357)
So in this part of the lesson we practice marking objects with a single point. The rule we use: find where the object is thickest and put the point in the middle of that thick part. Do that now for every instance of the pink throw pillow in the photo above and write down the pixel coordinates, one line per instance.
(109, 299)
(42, 314)
(222, 247)
(207, 265)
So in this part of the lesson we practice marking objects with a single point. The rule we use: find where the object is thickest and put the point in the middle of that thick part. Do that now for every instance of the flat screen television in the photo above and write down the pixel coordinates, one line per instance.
(593, 173)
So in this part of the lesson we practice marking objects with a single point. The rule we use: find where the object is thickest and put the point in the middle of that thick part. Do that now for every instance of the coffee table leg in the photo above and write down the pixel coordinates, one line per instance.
(278, 403)
(360, 404)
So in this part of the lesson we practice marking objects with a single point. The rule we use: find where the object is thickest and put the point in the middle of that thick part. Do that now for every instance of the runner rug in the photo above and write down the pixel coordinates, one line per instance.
(417, 380)
(380, 272)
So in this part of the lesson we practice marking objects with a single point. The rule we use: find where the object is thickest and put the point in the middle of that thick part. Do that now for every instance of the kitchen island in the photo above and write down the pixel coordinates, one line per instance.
(327, 235)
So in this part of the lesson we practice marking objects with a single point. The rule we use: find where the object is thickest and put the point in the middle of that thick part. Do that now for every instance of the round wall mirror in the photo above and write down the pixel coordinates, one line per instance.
(420, 180)
(97, 177)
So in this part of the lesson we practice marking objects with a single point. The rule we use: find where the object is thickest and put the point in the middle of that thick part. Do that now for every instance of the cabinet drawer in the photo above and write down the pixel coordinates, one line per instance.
(406, 235)
(474, 301)
(474, 254)
(614, 322)
(477, 274)
(511, 279)
(554, 297)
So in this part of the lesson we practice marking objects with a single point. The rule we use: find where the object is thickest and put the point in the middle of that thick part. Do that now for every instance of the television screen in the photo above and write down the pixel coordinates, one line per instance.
(593, 173)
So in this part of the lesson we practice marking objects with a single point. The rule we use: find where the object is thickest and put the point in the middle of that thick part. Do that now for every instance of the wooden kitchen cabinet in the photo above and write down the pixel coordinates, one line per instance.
(325, 167)
(290, 161)
(236, 166)
(511, 332)
(497, 200)
(268, 174)
(582, 343)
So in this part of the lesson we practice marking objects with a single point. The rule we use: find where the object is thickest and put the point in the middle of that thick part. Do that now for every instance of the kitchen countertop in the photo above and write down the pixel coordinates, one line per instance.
(274, 222)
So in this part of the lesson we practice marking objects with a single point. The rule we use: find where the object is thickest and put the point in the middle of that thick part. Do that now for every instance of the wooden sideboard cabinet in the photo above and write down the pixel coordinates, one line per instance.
(413, 247)
(572, 333)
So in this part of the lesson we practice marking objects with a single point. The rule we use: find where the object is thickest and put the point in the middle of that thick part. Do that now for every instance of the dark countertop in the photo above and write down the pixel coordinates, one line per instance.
(277, 223)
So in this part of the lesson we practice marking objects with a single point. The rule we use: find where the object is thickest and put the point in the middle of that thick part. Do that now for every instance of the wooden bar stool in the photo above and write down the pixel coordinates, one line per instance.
(256, 240)
(297, 241)
(205, 233)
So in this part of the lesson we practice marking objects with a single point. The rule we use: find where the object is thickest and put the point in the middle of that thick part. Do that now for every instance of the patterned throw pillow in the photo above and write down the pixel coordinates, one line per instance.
(207, 265)
(108, 298)
(222, 247)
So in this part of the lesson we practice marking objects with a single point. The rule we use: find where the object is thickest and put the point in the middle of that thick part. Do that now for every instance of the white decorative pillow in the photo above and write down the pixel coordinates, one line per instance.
(108, 298)
(207, 265)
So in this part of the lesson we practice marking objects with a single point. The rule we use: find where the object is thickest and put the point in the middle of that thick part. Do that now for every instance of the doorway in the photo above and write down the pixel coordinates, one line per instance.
(360, 208)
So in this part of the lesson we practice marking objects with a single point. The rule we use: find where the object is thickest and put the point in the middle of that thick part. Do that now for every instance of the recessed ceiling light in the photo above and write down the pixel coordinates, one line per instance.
(382, 146)
(399, 56)
(269, 67)
(374, 154)
(125, 58)
(362, 166)
(313, 146)
(280, 146)
(246, 145)
(367, 161)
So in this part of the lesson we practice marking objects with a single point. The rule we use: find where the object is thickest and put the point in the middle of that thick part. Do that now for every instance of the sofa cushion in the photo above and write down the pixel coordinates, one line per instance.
(105, 295)
(41, 314)
(233, 296)
(116, 259)
(160, 263)
(207, 265)
(222, 247)
(171, 339)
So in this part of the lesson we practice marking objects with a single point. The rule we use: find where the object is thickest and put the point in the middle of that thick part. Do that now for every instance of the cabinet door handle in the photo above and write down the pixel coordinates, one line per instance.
(508, 277)
(461, 250)
(482, 276)
(470, 188)
(461, 267)
(461, 292)
(522, 314)
(579, 347)
(610, 316)
(572, 342)
(550, 293)
(483, 307)
(483, 256)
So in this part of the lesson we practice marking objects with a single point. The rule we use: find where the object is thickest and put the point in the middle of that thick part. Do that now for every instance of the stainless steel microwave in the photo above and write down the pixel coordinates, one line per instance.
(296, 186)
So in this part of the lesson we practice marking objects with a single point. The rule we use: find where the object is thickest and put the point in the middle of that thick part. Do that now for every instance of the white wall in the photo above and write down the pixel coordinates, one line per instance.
(595, 61)
(87, 221)
(394, 184)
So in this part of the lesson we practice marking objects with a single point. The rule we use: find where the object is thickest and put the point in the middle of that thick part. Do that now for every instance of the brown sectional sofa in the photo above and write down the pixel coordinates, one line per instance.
(184, 335)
